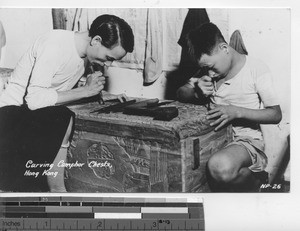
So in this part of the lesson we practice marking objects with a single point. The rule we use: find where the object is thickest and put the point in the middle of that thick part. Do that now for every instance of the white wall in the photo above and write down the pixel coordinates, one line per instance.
(22, 26)
(267, 35)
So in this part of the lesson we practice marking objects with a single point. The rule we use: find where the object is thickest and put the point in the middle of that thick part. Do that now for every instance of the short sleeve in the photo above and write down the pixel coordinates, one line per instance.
(266, 90)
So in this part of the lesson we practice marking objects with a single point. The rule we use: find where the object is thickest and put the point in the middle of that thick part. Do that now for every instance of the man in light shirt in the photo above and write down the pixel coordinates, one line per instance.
(237, 90)
(43, 79)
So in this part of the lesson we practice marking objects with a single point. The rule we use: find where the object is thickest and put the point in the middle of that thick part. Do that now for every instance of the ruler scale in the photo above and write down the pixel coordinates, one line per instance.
(100, 213)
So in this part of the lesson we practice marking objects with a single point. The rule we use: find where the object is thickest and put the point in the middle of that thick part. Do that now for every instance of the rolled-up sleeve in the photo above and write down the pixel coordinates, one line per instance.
(39, 97)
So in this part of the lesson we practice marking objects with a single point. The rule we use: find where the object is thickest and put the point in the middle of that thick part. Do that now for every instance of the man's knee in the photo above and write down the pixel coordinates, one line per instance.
(221, 169)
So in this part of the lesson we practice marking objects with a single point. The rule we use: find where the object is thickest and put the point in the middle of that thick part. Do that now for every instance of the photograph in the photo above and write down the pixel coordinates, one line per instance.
(145, 100)
(117, 106)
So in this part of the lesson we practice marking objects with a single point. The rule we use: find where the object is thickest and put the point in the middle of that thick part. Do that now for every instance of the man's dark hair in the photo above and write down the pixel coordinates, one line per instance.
(203, 40)
(113, 30)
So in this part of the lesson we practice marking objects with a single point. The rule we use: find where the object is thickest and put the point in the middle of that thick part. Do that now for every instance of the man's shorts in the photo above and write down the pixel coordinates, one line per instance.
(255, 149)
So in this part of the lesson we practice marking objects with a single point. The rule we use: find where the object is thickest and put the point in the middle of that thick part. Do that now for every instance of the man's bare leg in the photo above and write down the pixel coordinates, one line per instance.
(57, 183)
(228, 170)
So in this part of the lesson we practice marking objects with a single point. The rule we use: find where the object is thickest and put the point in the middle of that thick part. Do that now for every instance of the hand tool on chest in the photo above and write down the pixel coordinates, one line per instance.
(150, 107)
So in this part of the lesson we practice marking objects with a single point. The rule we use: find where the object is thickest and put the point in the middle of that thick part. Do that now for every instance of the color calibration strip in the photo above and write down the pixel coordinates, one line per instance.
(100, 213)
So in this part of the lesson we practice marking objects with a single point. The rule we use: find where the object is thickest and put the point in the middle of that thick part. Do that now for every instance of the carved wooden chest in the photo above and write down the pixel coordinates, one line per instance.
(124, 153)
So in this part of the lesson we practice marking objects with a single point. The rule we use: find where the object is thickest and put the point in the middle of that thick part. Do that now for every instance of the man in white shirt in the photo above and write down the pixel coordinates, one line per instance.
(240, 88)
(48, 71)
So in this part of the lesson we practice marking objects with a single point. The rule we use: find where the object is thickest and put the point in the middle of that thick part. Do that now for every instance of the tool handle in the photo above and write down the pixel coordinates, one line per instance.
(165, 113)
(158, 113)
(115, 107)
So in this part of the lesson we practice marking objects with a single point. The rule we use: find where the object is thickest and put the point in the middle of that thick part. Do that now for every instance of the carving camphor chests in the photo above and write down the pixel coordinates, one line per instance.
(126, 153)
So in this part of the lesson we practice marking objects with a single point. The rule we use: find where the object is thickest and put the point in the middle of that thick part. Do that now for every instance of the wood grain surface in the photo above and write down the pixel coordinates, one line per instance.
(139, 154)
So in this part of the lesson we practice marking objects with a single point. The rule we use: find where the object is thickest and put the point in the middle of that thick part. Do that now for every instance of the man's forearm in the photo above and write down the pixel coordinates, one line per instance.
(269, 115)
(224, 114)
(71, 95)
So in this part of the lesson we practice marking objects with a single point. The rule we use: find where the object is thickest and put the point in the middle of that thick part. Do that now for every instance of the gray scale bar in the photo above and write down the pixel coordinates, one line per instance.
(116, 210)
(50, 199)
(21, 209)
(165, 216)
(196, 213)
(18, 199)
(66, 209)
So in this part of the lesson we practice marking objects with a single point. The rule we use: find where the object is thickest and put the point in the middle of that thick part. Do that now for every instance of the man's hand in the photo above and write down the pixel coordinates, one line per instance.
(222, 114)
(94, 83)
(205, 84)
(108, 96)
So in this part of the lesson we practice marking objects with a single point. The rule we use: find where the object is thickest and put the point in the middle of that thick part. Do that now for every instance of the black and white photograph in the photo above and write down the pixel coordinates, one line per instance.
(145, 100)
(154, 98)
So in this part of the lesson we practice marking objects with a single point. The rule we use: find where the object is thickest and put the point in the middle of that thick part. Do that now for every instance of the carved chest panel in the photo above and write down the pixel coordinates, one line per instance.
(124, 153)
